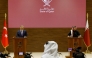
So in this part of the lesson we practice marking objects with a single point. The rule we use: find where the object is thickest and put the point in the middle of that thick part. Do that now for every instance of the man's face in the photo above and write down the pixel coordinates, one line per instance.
(75, 28)
(21, 28)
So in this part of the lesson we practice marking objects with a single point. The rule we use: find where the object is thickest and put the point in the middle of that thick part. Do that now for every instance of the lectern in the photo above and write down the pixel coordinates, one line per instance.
(74, 42)
(19, 47)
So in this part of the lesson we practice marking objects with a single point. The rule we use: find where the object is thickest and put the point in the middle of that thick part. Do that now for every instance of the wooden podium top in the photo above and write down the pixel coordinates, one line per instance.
(19, 38)
(75, 37)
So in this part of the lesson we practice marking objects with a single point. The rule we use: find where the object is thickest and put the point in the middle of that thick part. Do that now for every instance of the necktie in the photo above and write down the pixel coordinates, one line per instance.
(71, 33)
(21, 32)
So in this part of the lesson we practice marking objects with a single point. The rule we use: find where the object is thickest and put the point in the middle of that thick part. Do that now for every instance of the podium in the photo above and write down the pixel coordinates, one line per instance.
(19, 47)
(73, 43)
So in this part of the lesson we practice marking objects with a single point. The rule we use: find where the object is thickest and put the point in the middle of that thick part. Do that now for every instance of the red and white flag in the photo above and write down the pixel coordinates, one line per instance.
(87, 35)
(4, 39)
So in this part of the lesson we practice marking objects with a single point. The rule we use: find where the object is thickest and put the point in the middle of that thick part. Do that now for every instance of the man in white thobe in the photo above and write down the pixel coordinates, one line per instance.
(50, 50)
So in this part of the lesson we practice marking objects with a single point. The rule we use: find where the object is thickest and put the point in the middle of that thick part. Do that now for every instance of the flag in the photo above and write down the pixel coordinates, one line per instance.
(4, 39)
(87, 35)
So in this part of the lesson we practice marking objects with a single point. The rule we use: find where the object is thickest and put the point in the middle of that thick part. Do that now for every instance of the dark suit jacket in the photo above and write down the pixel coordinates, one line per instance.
(21, 35)
(75, 33)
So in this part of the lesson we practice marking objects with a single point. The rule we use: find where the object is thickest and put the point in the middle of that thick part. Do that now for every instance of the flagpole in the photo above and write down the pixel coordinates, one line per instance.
(87, 16)
(6, 52)
(5, 16)
(87, 51)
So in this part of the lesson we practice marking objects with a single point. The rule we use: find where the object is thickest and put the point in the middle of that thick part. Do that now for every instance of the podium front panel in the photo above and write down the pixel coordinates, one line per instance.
(19, 47)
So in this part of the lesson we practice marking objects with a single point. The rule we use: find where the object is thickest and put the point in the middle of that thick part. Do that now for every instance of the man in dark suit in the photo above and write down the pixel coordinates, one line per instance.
(74, 32)
(22, 32)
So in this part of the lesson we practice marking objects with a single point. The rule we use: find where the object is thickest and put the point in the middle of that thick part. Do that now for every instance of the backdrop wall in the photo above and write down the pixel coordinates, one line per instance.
(38, 36)
(46, 13)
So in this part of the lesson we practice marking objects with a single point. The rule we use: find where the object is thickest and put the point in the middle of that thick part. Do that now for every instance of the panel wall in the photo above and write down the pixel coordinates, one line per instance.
(38, 36)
